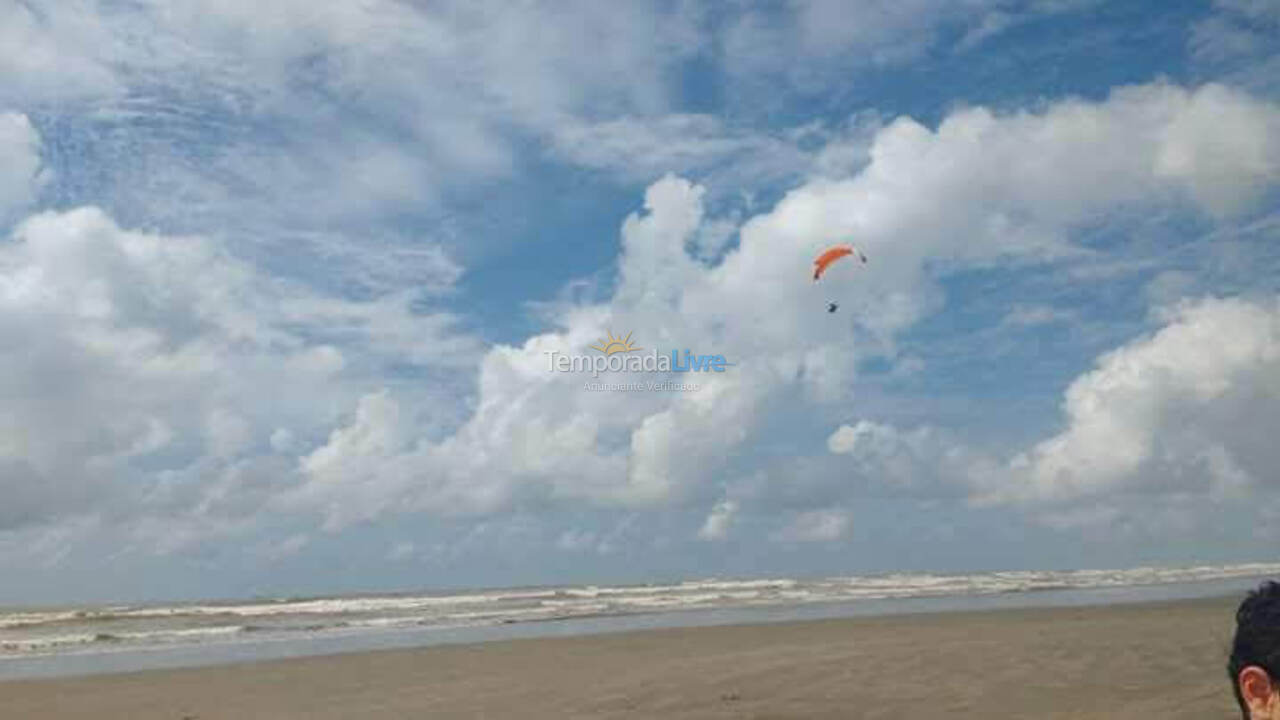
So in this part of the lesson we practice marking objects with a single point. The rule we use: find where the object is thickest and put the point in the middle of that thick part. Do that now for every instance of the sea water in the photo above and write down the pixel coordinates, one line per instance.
(37, 642)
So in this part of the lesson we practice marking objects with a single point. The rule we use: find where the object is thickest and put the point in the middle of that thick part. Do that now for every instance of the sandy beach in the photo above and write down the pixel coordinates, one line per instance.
(1151, 660)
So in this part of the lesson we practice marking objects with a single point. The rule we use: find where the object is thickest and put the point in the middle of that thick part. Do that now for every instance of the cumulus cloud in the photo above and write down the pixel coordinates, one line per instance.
(537, 432)
(815, 526)
(887, 454)
(179, 343)
(983, 189)
(147, 374)
(1223, 145)
(719, 521)
(1188, 409)
(1162, 427)
(924, 462)
(20, 166)
(166, 387)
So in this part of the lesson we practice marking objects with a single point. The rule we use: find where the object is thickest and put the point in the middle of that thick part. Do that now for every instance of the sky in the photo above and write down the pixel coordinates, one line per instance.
(278, 284)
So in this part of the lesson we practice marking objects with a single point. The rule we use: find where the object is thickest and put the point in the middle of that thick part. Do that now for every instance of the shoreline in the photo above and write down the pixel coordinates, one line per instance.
(113, 658)
(1084, 661)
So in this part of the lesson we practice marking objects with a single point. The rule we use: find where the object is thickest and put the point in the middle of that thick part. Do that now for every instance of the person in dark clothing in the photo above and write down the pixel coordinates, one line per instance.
(1254, 665)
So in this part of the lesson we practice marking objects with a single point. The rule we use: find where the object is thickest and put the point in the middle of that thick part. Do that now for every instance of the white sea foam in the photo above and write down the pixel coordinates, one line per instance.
(50, 643)
(34, 631)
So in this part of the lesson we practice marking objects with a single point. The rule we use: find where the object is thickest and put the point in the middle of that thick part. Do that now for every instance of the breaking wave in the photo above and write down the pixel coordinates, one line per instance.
(48, 631)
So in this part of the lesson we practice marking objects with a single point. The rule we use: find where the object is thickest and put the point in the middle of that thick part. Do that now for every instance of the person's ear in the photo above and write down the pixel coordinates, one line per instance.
(1257, 690)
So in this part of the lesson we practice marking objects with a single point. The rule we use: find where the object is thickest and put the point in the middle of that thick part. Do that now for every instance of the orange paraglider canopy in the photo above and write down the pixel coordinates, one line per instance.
(832, 254)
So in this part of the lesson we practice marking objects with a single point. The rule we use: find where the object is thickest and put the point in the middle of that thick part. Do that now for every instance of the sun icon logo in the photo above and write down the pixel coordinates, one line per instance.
(611, 345)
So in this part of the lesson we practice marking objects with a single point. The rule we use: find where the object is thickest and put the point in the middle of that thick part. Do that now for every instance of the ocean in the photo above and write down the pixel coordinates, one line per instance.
(36, 642)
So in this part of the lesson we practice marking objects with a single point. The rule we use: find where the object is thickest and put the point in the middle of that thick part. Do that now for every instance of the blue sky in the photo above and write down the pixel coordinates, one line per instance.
(278, 284)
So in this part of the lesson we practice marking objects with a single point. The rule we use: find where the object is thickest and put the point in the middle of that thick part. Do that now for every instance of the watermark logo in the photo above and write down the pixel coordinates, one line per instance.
(611, 345)
(619, 354)
(641, 387)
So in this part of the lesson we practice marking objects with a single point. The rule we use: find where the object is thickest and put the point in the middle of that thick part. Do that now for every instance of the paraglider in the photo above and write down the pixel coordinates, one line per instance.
(828, 257)
(832, 254)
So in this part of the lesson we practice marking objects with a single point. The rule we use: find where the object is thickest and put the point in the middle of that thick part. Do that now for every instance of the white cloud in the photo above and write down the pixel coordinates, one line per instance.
(846, 438)
(1164, 428)
(768, 38)
(981, 190)
(457, 90)
(815, 526)
(643, 148)
(1237, 43)
(20, 169)
(538, 432)
(1223, 145)
(1189, 409)
(1004, 16)
(158, 375)
(719, 521)
(883, 457)
(1034, 315)
(374, 436)
(1261, 10)
(453, 76)
(49, 51)
(169, 385)
(581, 541)
(288, 547)
(402, 551)
(180, 344)
(847, 150)
(988, 27)
(333, 135)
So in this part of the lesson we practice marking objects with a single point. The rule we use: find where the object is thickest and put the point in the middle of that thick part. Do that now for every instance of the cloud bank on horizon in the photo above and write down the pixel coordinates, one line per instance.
(278, 288)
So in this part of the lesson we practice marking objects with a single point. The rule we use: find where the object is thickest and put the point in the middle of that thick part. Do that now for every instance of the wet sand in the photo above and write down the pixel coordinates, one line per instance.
(1128, 661)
